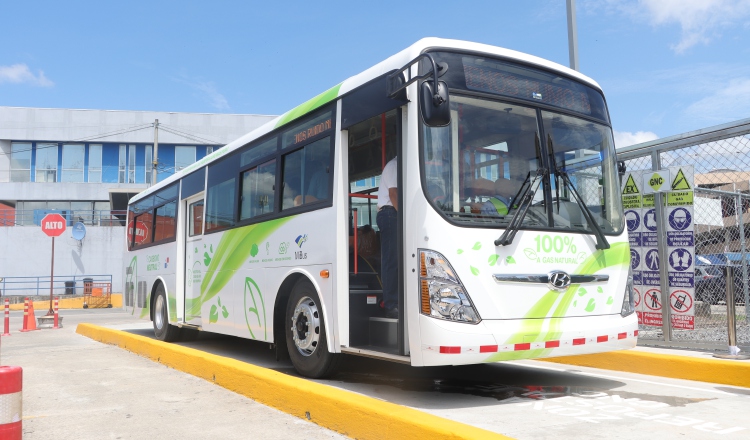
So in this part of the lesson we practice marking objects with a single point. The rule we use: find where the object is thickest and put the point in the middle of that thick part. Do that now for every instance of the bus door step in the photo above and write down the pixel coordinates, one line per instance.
(383, 332)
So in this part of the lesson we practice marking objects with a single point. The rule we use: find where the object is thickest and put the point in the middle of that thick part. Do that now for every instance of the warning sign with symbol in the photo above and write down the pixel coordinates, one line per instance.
(656, 181)
(683, 315)
(681, 189)
(651, 315)
(631, 195)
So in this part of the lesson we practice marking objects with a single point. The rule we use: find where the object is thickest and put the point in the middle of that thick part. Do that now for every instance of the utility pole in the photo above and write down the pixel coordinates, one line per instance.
(156, 152)
(572, 35)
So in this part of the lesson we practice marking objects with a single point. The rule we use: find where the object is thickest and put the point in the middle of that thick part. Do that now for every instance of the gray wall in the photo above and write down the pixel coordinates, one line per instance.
(26, 251)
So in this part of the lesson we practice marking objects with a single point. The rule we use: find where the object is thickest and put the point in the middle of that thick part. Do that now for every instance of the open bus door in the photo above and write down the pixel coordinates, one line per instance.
(372, 143)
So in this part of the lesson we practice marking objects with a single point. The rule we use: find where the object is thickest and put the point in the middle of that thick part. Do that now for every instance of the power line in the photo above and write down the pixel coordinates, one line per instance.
(188, 135)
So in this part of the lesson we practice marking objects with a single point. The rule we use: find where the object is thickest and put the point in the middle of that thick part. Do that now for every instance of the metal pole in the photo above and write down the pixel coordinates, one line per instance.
(156, 152)
(731, 327)
(661, 236)
(741, 229)
(572, 35)
(51, 278)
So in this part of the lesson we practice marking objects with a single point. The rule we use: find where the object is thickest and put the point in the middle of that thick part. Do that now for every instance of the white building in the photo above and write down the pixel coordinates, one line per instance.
(85, 165)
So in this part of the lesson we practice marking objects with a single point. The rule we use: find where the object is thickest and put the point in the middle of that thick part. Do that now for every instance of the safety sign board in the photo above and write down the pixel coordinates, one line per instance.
(656, 181)
(639, 190)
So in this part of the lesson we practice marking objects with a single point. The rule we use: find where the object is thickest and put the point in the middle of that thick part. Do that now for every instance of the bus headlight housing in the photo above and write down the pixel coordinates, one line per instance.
(442, 295)
(628, 303)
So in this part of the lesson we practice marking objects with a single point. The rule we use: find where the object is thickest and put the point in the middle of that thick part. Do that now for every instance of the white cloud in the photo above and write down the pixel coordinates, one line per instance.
(728, 103)
(20, 73)
(626, 138)
(700, 21)
(207, 90)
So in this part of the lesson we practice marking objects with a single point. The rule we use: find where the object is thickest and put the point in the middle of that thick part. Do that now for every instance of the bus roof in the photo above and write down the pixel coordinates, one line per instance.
(394, 62)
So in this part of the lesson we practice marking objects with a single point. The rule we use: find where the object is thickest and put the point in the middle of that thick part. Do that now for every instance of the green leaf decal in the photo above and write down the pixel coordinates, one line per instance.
(610, 300)
(460, 251)
(213, 316)
(530, 253)
(591, 305)
(599, 289)
(493, 259)
(575, 303)
(196, 250)
(224, 312)
(254, 250)
(477, 246)
(582, 291)
(231, 253)
(206, 259)
(510, 260)
(252, 288)
(474, 270)
(212, 249)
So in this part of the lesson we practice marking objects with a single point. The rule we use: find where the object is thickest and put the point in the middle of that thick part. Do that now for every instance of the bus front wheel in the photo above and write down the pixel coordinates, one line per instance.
(305, 333)
(163, 330)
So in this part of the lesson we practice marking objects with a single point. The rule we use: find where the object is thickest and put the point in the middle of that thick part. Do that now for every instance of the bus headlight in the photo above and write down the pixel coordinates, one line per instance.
(628, 303)
(442, 295)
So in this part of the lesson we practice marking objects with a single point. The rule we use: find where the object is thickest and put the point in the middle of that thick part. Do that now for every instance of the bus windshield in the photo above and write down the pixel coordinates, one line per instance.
(475, 168)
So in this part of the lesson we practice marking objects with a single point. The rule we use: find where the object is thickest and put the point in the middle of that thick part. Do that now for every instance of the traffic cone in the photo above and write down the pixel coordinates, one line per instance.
(29, 320)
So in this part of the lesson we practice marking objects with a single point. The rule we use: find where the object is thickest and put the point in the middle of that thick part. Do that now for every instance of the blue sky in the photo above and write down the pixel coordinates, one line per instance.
(666, 66)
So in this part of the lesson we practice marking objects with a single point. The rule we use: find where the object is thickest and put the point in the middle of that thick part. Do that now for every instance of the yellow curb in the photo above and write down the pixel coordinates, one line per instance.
(726, 372)
(75, 303)
(343, 411)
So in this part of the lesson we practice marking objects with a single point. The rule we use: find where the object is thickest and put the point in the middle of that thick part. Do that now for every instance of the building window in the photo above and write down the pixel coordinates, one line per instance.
(95, 163)
(72, 163)
(131, 163)
(46, 162)
(183, 156)
(121, 163)
(149, 164)
(209, 150)
(20, 162)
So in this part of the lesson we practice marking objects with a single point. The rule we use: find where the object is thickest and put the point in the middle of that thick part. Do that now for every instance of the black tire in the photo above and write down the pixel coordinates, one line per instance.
(305, 333)
(163, 330)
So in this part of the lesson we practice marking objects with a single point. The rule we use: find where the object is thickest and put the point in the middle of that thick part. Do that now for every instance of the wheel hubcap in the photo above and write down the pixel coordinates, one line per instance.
(158, 312)
(306, 326)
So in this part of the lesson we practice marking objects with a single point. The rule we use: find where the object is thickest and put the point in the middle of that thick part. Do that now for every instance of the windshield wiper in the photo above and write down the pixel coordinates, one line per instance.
(526, 199)
(601, 240)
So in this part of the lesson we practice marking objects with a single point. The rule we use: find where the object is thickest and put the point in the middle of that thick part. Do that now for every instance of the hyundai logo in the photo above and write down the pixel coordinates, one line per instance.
(558, 280)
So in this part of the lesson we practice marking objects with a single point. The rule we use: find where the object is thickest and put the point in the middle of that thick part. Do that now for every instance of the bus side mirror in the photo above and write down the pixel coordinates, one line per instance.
(435, 104)
(621, 169)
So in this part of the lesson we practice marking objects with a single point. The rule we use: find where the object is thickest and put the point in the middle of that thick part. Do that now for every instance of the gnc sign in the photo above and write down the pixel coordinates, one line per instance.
(141, 232)
(53, 225)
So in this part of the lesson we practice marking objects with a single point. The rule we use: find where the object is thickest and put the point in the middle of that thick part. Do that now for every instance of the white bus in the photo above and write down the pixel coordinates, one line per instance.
(510, 238)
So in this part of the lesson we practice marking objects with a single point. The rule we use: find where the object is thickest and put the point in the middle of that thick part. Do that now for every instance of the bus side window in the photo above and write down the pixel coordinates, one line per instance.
(307, 174)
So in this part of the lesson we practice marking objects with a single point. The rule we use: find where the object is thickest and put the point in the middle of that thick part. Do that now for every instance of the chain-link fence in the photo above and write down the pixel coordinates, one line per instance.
(720, 157)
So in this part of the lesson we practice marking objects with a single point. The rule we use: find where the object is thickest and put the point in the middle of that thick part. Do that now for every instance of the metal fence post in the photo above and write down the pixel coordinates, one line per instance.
(741, 229)
(661, 231)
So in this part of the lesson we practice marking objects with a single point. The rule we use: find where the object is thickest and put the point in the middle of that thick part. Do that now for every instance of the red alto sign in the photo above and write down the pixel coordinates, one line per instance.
(53, 225)
(141, 232)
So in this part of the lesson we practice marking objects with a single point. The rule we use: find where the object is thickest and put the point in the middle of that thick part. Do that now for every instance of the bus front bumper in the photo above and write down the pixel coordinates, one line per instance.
(450, 343)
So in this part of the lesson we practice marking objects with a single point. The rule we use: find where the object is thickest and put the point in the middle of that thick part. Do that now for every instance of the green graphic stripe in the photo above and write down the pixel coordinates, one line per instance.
(617, 255)
(304, 108)
(232, 251)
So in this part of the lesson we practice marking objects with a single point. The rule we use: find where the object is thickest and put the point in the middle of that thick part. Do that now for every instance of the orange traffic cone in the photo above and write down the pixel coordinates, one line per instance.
(29, 320)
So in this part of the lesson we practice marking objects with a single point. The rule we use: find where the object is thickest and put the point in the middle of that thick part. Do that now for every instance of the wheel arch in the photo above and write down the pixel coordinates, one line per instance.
(280, 304)
(152, 297)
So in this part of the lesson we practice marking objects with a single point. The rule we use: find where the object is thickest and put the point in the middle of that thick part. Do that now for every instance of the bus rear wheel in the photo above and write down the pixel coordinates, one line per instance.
(305, 333)
(163, 330)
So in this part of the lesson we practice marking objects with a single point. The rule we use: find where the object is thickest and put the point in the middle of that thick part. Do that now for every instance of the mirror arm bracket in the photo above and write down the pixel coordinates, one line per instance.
(394, 79)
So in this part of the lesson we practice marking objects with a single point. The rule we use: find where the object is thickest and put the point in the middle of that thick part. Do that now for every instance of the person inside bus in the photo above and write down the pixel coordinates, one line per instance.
(388, 225)
(499, 202)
